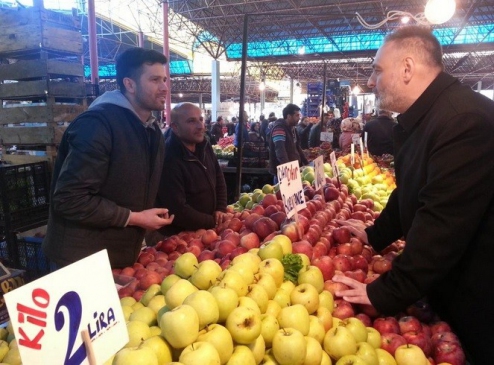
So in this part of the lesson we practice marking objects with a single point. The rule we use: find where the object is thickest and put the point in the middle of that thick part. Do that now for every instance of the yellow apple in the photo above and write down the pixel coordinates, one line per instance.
(316, 329)
(373, 337)
(136, 356)
(220, 338)
(384, 357)
(156, 303)
(312, 276)
(410, 355)
(245, 270)
(206, 307)
(177, 293)
(367, 353)
(273, 267)
(269, 327)
(249, 303)
(185, 265)
(338, 342)
(306, 295)
(258, 348)
(259, 295)
(273, 308)
(233, 279)
(168, 282)
(129, 301)
(325, 317)
(326, 300)
(200, 353)
(242, 355)
(244, 325)
(206, 274)
(356, 327)
(250, 258)
(350, 359)
(4, 348)
(161, 348)
(127, 311)
(270, 250)
(314, 352)
(285, 242)
(326, 360)
(295, 316)
(287, 286)
(153, 290)
(289, 347)
(180, 326)
(267, 282)
(145, 315)
(138, 332)
(282, 297)
(155, 331)
(227, 300)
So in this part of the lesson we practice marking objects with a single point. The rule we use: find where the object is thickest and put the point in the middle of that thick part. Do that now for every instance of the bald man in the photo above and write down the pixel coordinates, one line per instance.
(192, 184)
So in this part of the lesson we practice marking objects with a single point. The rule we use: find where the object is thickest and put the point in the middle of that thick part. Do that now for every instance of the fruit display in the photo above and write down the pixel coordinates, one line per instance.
(324, 150)
(224, 149)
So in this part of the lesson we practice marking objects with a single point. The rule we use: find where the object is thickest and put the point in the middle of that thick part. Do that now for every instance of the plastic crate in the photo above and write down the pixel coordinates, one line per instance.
(24, 195)
(31, 258)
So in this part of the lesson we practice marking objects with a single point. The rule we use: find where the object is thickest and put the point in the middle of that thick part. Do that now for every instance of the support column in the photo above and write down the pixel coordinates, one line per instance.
(291, 91)
(93, 42)
(166, 52)
(215, 89)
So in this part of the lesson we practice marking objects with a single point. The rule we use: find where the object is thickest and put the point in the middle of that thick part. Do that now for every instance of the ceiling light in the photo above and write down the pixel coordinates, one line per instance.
(356, 90)
(301, 50)
(262, 86)
(405, 19)
(439, 11)
(180, 95)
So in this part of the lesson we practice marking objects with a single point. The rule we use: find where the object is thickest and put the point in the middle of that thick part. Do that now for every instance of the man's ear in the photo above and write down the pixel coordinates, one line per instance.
(130, 85)
(409, 68)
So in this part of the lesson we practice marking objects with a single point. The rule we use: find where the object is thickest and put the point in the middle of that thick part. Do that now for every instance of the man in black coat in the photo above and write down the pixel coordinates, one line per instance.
(380, 133)
(443, 204)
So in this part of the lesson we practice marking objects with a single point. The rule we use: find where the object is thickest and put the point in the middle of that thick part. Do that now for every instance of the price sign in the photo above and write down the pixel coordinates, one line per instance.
(50, 315)
(365, 139)
(361, 149)
(320, 178)
(352, 154)
(327, 136)
(332, 158)
(355, 138)
(291, 189)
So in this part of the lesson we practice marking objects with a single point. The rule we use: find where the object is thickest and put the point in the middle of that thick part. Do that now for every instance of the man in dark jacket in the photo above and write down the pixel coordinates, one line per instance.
(303, 129)
(380, 133)
(192, 185)
(284, 143)
(444, 202)
(108, 169)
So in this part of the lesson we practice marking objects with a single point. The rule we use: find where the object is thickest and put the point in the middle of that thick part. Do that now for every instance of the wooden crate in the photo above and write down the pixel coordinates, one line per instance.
(27, 30)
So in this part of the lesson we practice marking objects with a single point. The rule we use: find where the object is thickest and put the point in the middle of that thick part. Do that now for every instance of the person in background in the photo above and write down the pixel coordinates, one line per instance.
(263, 126)
(303, 129)
(321, 126)
(254, 133)
(230, 126)
(108, 168)
(443, 204)
(245, 132)
(217, 130)
(192, 184)
(346, 136)
(380, 133)
(284, 143)
(335, 126)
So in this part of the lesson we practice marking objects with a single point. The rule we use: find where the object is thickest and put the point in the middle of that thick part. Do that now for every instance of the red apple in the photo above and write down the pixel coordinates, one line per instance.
(319, 250)
(279, 217)
(249, 221)
(173, 256)
(264, 226)
(386, 325)
(359, 262)
(290, 230)
(342, 263)
(225, 247)
(205, 255)
(366, 320)
(358, 275)
(250, 240)
(391, 341)
(145, 258)
(238, 251)
(233, 237)
(152, 277)
(331, 193)
(303, 247)
(258, 209)
(409, 324)
(419, 339)
(440, 326)
(325, 264)
(443, 336)
(334, 287)
(357, 246)
(128, 271)
(381, 265)
(342, 235)
(269, 199)
(208, 238)
(235, 224)
(343, 309)
(449, 352)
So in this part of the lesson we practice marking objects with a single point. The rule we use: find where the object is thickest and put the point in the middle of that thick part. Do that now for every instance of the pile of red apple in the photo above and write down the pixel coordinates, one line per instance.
(327, 245)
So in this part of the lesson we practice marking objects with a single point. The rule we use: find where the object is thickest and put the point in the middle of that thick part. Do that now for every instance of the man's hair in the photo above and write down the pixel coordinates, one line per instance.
(385, 112)
(178, 110)
(130, 63)
(290, 109)
(420, 41)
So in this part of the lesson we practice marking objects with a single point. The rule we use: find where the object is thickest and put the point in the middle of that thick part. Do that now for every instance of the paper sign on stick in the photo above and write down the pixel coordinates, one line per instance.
(326, 136)
(361, 150)
(48, 315)
(292, 192)
(320, 177)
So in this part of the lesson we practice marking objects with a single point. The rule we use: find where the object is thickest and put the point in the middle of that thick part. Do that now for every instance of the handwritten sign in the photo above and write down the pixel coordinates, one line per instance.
(48, 315)
(336, 171)
(291, 188)
(355, 138)
(320, 177)
(327, 136)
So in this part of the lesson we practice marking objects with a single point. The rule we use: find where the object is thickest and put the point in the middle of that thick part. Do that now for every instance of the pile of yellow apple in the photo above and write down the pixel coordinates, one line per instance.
(248, 314)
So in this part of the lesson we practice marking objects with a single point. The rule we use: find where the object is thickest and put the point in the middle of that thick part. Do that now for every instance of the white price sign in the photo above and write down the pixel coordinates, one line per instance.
(320, 177)
(49, 315)
(327, 136)
(332, 158)
(355, 138)
(291, 189)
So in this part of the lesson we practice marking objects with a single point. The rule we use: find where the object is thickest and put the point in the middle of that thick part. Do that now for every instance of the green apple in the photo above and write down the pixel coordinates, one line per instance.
(267, 282)
(384, 357)
(185, 265)
(273, 267)
(312, 276)
(350, 359)
(316, 329)
(258, 348)
(136, 356)
(410, 355)
(168, 282)
(356, 327)
(129, 301)
(206, 307)
(233, 279)
(137, 305)
(161, 348)
(251, 258)
(273, 308)
(282, 298)
(227, 300)
(206, 274)
(289, 347)
(155, 331)
(287, 286)
(138, 332)
(373, 337)
(162, 311)
(242, 355)
(4, 348)
(200, 353)
(244, 325)
(285, 242)
(156, 303)
(249, 303)
(269, 327)
(339, 342)
(153, 290)
(127, 311)
(245, 270)
(271, 250)
(326, 300)
(145, 315)
(307, 295)
(314, 352)
(177, 293)
(295, 316)
(180, 326)
(326, 360)
(220, 338)
(259, 295)
(367, 353)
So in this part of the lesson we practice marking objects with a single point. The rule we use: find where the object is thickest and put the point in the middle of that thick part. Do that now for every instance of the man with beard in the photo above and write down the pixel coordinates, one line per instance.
(444, 202)
(192, 186)
(108, 169)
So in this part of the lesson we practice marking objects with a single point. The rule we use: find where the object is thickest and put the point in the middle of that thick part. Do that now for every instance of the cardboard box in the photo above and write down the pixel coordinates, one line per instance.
(7, 284)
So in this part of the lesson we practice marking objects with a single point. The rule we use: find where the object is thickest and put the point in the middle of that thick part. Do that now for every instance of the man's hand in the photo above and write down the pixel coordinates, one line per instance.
(356, 227)
(151, 219)
(357, 292)
(218, 217)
